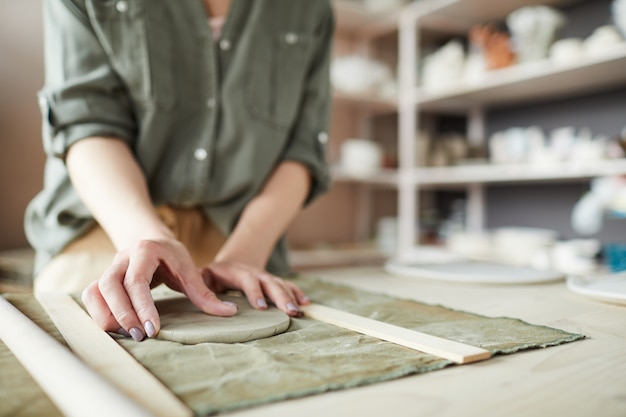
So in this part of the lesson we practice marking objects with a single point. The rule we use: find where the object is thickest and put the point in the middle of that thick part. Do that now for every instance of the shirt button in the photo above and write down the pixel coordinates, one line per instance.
(200, 154)
(322, 137)
(121, 6)
(211, 102)
(291, 38)
(225, 45)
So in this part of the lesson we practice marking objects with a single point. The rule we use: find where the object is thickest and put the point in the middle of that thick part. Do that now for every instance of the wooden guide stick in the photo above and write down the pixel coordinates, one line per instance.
(103, 354)
(72, 386)
(444, 348)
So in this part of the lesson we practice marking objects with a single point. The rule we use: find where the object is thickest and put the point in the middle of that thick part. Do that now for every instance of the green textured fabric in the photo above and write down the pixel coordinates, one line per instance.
(314, 357)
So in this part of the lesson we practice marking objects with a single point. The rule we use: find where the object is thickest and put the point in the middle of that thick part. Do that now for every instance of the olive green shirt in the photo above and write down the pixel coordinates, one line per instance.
(207, 120)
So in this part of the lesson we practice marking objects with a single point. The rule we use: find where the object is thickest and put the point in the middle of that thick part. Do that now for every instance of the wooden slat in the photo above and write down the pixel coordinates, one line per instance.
(108, 358)
(76, 389)
(444, 348)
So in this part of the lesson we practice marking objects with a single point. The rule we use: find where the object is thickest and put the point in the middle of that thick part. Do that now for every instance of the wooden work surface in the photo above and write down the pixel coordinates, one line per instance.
(576, 379)
(584, 378)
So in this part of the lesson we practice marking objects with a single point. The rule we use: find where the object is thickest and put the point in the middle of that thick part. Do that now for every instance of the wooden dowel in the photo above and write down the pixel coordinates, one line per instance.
(98, 350)
(72, 386)
(444, 348)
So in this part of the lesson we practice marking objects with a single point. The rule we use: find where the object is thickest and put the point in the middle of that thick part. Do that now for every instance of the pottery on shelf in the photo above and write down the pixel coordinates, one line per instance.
(444, 68)
(603, 39)
(533, 29)
(356, 74)
(618, 10)
(566, 51)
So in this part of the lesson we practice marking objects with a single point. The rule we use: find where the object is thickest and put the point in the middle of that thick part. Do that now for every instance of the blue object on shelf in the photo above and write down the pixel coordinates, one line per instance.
(615, 256)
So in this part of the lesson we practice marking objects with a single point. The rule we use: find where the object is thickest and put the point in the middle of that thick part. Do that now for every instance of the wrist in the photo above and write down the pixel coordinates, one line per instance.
(124, 236)
(250, 256)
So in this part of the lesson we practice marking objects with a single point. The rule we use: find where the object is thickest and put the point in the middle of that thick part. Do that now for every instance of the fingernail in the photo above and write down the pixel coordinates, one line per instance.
(229, 303)
(136, 334)
(305, 299)
(261, 303)
(149, 327)
(123, 332)
(293, 308)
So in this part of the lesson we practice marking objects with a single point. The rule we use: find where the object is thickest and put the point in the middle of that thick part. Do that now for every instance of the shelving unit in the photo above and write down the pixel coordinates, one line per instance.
(370, 102)
(522, 173)
(424, 19)
(351, 17)
(383, 178)
(456, 17)
(515, 85)
(530, 82)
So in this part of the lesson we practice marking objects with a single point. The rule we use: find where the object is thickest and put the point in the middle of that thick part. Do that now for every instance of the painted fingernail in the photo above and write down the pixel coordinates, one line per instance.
(136, 334)
(229, 303)
(261, 303)
(293, 308)
(305, 299)
(149, 328)
(123, 332)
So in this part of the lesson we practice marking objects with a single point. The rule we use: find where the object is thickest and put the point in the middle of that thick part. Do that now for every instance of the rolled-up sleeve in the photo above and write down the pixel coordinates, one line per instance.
(309, 136)
(82, 96)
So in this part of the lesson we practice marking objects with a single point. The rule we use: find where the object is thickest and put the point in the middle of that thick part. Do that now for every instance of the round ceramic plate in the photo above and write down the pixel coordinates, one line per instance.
(430, 255)
(474, 272)
(611, 288)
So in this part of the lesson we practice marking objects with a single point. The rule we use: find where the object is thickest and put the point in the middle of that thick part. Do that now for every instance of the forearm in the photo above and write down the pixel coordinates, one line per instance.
(111, 184)
(267, 217)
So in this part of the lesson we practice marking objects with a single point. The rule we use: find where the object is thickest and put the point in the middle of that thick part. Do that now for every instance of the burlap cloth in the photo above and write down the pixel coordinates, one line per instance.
(311, 357)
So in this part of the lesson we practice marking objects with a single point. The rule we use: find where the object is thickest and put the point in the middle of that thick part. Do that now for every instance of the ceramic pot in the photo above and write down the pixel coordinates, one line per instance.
(360, 157)
(534, 29)
(618, 10)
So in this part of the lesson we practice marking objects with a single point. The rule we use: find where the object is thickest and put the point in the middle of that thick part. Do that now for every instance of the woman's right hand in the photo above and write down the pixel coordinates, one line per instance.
(111, 183)
(121, 301)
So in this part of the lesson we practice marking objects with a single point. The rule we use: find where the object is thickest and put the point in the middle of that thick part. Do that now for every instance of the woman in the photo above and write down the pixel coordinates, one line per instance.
(178, 154)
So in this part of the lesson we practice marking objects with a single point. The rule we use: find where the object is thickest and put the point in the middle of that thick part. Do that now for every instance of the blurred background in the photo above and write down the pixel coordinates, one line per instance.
(476, 127)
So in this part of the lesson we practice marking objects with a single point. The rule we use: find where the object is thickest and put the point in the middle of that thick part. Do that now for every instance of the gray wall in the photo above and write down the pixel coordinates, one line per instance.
(549, 205)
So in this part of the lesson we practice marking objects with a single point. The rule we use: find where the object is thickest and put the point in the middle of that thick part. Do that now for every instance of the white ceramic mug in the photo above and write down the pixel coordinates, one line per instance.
(361, 157)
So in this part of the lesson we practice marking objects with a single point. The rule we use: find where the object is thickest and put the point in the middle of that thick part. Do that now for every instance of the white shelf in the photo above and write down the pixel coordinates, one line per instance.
(371, 102)
(492, 174)
(458, 16)
(383, 178)
(534, 81)
(336, 256)
(351, 17)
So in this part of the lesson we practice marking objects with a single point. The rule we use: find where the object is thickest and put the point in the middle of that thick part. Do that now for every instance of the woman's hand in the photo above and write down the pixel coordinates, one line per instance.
(240, 263)
(120, 301)
(256, 284)
(111, 183)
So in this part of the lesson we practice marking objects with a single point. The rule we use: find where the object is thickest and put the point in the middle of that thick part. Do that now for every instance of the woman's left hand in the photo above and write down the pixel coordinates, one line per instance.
(256, 284)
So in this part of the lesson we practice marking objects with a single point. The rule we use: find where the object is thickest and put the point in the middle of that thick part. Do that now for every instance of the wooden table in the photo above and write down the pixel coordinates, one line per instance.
(16, 268)
(585, 378)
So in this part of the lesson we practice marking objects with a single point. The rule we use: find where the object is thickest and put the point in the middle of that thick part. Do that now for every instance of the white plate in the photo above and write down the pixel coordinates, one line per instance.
(474, 272)
(611, 288)
(429, 255)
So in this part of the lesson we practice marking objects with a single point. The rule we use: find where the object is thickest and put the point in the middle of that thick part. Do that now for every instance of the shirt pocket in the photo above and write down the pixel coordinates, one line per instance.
(276, 77)
(134, 36)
